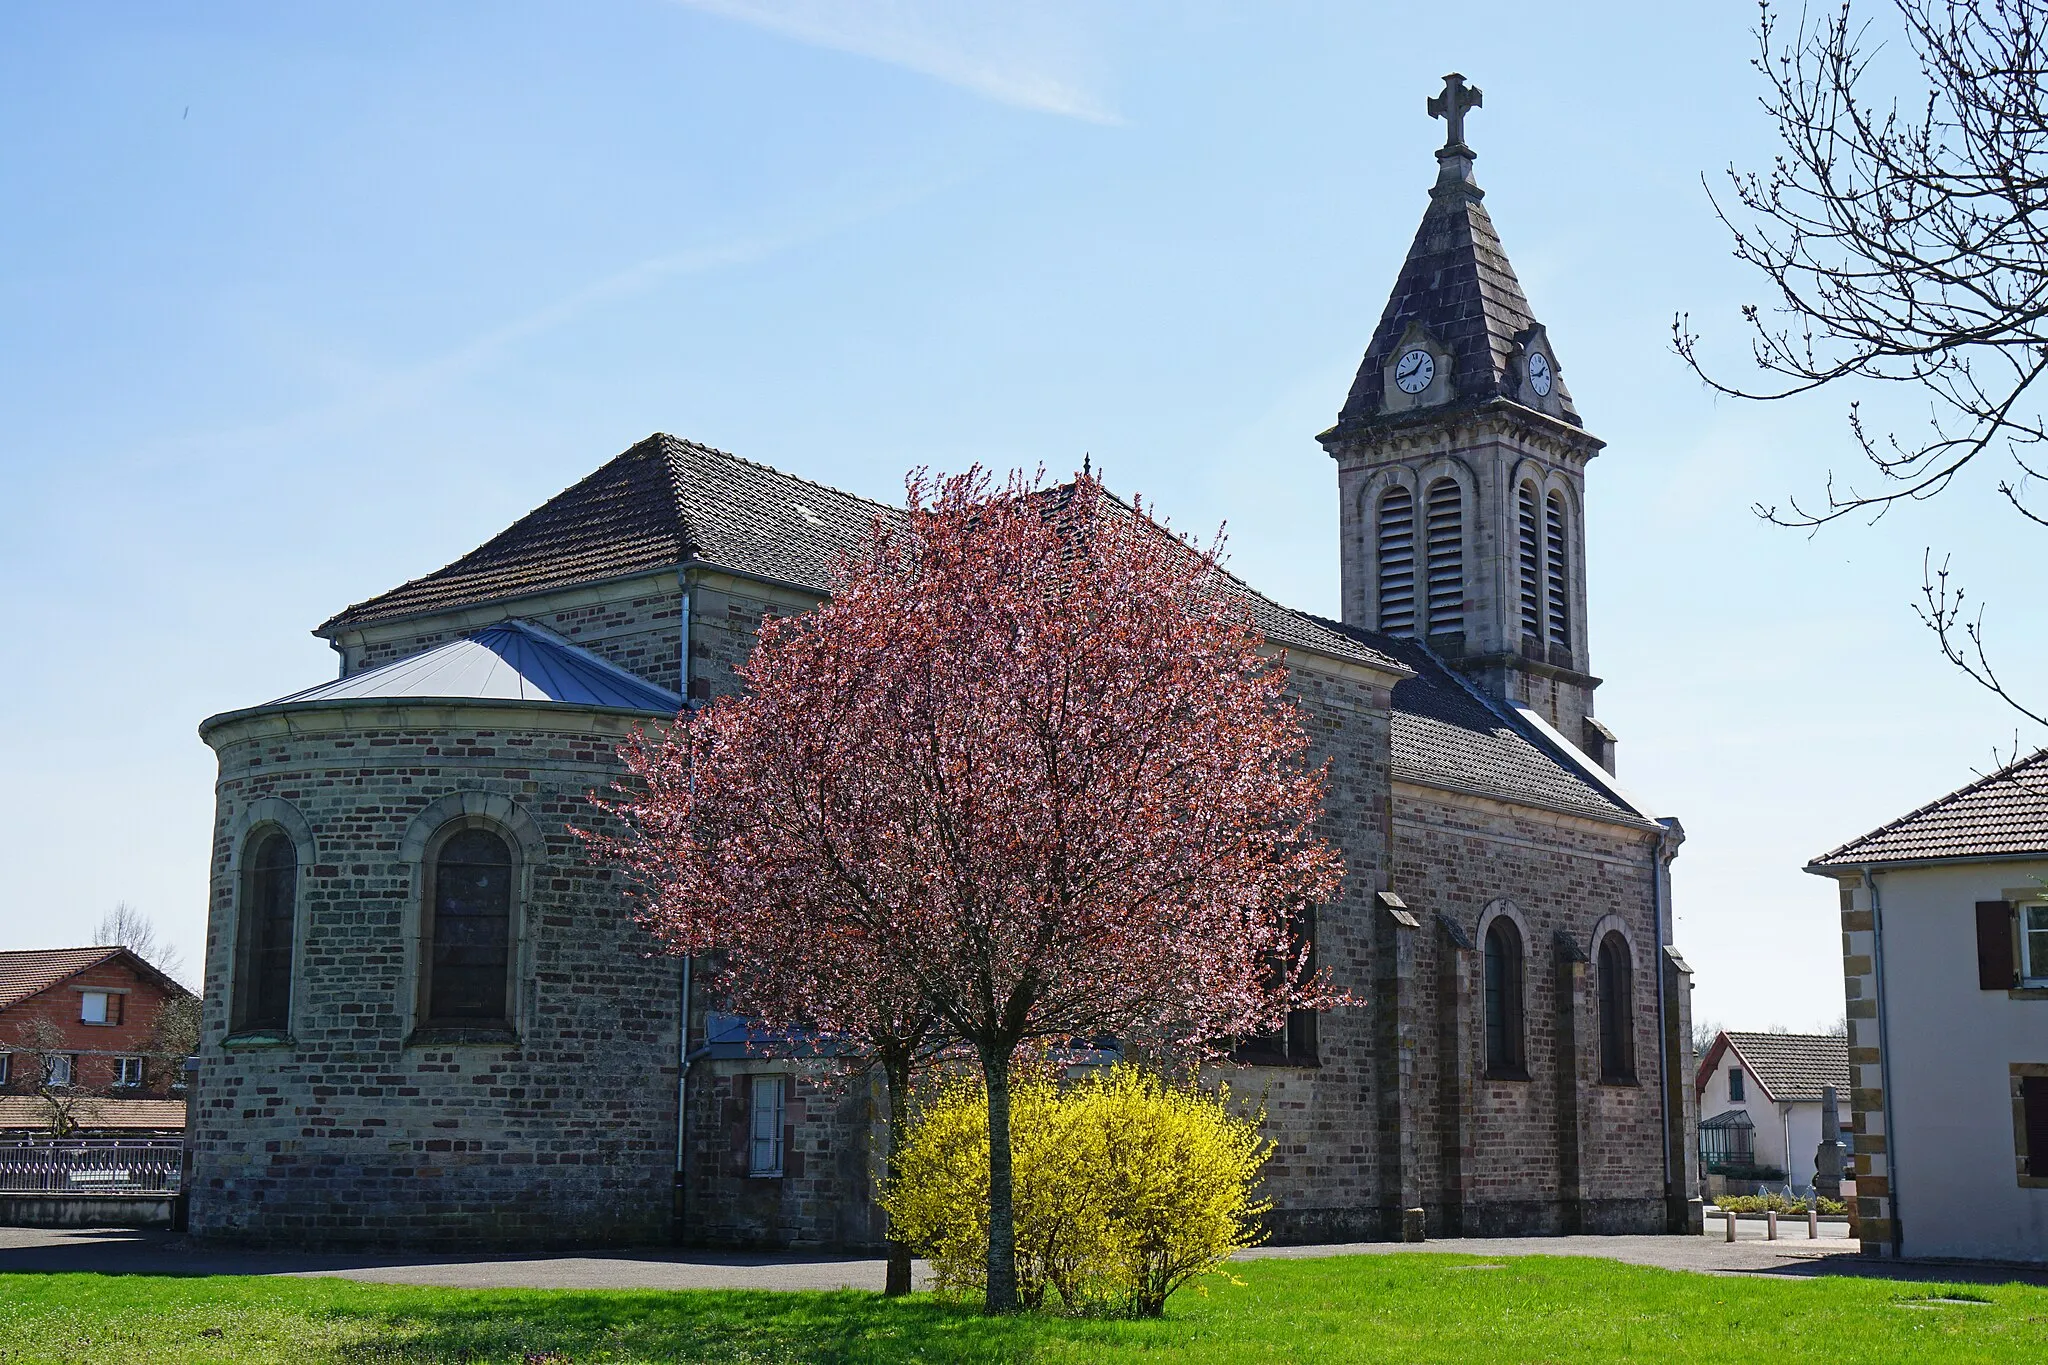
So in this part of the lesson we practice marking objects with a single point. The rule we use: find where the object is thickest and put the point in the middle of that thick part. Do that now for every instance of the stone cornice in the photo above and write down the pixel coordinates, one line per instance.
(1460, 424)
(293, 719)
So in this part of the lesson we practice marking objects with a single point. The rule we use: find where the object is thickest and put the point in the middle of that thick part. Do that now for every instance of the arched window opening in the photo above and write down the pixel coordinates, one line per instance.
(1503, 983)
(269, 914)
(1559, 571)
(1396, 547)
(1617, 1011)
(1446, 548)
(468, 933)
(1530, 545)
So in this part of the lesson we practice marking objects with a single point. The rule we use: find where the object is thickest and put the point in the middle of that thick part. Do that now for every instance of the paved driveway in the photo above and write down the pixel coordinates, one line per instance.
(125, 1252)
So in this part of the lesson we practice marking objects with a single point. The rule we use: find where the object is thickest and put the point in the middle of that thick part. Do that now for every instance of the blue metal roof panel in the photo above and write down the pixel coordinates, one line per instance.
(510, 661)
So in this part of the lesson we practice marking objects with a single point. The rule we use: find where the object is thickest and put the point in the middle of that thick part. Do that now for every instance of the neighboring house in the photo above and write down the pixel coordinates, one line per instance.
(82, 1023)
(1760, 1102)
(430, 1019)
(1945, 965)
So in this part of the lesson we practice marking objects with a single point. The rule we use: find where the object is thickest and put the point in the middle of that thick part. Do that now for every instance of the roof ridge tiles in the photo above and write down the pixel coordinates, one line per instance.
(2009, 773)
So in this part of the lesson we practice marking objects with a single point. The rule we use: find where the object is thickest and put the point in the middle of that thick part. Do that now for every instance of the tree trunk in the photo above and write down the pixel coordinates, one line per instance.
(898, 1068)
(1002, 1226)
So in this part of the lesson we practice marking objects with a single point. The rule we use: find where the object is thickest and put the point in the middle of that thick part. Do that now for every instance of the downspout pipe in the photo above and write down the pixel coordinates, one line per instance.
(1884, 1057)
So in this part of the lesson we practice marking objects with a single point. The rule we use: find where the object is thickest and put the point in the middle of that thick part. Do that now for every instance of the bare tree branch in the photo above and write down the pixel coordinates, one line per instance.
(1902, 234)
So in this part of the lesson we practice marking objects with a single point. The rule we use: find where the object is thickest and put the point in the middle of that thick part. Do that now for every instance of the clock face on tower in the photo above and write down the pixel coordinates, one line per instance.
(1414, 371)
(1539, 373)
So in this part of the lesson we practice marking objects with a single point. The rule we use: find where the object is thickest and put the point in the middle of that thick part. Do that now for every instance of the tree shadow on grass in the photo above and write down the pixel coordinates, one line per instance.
(739, 1326)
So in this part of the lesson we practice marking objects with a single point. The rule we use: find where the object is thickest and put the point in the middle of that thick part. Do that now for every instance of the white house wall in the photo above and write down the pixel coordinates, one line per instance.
(1949, 1044)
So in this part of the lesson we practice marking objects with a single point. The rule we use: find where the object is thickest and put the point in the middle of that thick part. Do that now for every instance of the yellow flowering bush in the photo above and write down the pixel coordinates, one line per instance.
(1127, 1187)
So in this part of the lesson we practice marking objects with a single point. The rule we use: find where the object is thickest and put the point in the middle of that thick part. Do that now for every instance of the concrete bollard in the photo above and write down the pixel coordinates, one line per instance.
(1771, 1226)
(1731, 1227)
(1813, 1219)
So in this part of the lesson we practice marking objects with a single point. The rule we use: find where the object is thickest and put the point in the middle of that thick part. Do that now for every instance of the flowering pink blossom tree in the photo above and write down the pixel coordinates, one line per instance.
(1030, 774)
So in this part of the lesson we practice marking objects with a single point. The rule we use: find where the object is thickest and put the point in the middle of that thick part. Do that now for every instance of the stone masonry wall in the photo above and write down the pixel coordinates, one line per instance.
(633, 623)
(832, 1142)
(354, 1130)
(1324, 1177)
(1561, 1150)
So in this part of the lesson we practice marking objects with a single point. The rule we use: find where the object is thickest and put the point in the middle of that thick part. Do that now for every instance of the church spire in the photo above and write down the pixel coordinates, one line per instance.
(1461, 465)
(1456, 298)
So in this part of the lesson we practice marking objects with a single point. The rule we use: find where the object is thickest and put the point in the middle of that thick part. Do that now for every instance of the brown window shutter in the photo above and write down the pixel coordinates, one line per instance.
(1994, 947)
(2034, 1111)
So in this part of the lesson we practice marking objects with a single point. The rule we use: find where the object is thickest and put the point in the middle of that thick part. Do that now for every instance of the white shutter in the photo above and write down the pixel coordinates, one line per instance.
(764, 1156)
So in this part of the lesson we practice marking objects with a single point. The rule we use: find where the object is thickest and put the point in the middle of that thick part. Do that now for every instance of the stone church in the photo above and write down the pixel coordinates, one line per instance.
(429, 1020)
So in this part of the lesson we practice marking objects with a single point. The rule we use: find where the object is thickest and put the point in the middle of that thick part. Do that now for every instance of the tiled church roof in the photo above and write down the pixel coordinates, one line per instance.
(667, 501)
(1456, 282)
(658, 504)
(1449, 734)
(2000, 816)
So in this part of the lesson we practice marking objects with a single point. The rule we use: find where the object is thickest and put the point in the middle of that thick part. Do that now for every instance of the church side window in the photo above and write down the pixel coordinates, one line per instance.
(1503, 986)
(467, 945)
(1530, 560)
(1446, 551)
(1396, 530)
(1558, 571)
(269, 914)
(764, 1137)
(1617, 1011)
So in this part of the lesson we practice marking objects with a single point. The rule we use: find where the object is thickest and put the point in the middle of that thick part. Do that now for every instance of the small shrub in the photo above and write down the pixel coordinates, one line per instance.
(1126, 1189)
(1780, 1203)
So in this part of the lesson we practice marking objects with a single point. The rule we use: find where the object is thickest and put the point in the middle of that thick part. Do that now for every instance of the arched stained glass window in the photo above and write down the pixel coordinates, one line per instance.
(269, 914)
(1503, 987)
(1617, 1011)
(468, 938)
(1529, 560)
(1446, 554)
(1396, 561)
(1558, 570)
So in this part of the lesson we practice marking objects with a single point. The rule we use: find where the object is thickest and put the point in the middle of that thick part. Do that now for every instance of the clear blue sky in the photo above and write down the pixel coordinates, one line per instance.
(299, 301)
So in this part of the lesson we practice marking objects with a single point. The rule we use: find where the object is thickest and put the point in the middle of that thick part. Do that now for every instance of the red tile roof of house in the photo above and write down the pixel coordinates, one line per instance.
(31, 971)
(26, 972)
(19, 1112)
(2004, 815)
(1789, 1066)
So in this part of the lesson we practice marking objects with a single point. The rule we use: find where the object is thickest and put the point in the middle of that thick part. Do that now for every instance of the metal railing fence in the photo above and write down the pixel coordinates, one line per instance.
(76, 1166)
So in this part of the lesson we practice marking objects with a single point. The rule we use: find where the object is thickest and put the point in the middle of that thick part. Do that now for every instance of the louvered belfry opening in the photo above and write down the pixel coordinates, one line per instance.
(1446, 551)
(1559, 579)
(1397, 562)
(1531, 560)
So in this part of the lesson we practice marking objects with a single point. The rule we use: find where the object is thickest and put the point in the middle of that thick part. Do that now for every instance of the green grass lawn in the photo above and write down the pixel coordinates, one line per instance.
(1368, 1308)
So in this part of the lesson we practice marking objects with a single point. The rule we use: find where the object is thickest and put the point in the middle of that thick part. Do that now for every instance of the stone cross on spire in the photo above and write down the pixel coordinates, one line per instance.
(1451, 106)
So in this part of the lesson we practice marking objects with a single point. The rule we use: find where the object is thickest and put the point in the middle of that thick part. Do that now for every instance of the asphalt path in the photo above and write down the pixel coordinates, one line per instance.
(148, 1252)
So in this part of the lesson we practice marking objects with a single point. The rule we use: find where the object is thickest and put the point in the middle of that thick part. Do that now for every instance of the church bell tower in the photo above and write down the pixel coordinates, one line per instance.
(1461, 466)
